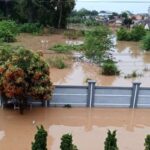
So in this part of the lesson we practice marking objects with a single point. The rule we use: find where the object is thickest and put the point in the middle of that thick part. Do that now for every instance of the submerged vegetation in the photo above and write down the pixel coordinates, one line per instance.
(57, 62)
(135, 34)
(98, 44)
(146, 42)
(65, 48)
(109, 68)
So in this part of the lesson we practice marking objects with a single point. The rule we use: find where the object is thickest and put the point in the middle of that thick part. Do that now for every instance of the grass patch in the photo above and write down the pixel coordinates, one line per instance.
(57, 62)
(64, 48)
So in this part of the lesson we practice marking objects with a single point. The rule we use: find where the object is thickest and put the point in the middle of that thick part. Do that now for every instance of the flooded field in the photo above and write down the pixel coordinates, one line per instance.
(129, 56)
(88, 127)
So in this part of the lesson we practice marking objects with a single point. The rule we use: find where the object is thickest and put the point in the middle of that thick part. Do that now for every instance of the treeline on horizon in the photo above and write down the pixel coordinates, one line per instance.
(48, 13)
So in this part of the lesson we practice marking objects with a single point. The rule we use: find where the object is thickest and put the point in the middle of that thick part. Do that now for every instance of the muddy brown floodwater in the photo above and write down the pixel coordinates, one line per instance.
(130, 59)
(88, 127)
(129, 56)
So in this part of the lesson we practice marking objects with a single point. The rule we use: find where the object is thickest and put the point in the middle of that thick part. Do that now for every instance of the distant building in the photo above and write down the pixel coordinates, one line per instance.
(145, 23)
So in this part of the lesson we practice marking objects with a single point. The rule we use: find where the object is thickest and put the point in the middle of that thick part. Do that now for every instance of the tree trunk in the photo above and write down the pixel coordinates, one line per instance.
(60, 14)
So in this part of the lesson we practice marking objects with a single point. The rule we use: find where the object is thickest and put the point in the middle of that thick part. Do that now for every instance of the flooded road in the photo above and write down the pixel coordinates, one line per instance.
(88, 127)
(130, 59)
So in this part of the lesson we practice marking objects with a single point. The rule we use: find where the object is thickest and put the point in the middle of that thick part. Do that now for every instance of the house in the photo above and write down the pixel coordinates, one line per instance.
(145, 23)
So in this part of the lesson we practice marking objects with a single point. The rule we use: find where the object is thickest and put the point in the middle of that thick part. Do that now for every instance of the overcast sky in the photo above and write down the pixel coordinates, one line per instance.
(135, 6)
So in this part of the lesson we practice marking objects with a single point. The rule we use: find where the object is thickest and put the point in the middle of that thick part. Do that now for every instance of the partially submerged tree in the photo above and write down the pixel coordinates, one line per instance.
(40, 139)
(98, 44)
(23, 74)
(111, 141)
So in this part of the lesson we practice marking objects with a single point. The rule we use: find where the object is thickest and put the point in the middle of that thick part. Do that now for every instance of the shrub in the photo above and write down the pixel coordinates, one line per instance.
(137, 33)
(66, 143)
(57, 63)
(147, 142)
(109, 68)
(146, 42)
(34, 28)
(123, 35)
(111, 141)
(40, 139)
(8, 31)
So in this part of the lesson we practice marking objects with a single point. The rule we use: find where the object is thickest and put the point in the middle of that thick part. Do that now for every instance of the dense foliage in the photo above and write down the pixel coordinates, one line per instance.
(147, 143)
(23, 74)
(111, 141)
(30, 28)
(8, 31)
(135, 34)
(66, 143)
(109, 68)
(98, 43)
(52, 13)
(40, 139)
(146, 42)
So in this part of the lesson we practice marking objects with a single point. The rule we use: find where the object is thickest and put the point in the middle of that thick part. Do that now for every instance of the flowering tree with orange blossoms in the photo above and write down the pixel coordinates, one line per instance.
(23, 74)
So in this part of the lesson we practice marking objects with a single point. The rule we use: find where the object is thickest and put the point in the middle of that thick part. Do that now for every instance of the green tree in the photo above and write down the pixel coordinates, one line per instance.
(40, 139)
(111, 141)
(127, 22)
(63, 9)
(23, 74)
(146, 42)
(98, 44)
(66, 143)
(137, 33)
(47, 13)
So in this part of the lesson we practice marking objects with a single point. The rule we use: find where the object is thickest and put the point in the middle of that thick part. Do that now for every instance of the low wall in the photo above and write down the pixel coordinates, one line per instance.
(98, 96)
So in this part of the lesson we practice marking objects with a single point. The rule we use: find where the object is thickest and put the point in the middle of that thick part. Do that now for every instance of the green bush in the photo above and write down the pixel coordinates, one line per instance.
(8, 31)
(40, 139)
(123, 35)
(146, 42)
(135, 34)
(111, 141)
(66, 143)
(109, 68)
(31, 28)
(57, 63)
(147, 143)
